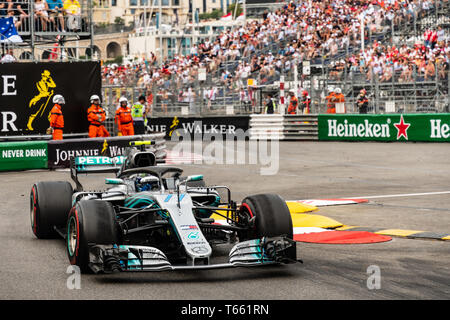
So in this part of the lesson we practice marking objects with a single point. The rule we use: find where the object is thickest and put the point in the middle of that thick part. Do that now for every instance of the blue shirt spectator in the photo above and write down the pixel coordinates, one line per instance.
(52, 4)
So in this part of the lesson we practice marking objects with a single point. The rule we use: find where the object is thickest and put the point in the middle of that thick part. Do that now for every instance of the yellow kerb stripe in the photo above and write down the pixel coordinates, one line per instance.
(398, 232)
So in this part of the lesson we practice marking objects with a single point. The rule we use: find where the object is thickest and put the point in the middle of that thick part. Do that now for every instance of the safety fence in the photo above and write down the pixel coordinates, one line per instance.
(52, 154)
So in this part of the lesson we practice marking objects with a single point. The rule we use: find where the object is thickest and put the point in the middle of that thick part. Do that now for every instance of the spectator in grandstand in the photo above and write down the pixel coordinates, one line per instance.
(41, 14)
(3, 8)
(440, 35)
(430, 71)
(55, 9)
(387, 72)
(8, 57)
(149, 108)
(244, 98)
(17, 22)
(407, 72)
(362, 103)
(164, 100)
(211, 96)
(20, 9)
(443, 68)
(72, 10)
(190, 97)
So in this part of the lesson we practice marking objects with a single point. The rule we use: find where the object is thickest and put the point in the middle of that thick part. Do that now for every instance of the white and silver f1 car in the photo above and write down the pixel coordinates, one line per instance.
(152, 218)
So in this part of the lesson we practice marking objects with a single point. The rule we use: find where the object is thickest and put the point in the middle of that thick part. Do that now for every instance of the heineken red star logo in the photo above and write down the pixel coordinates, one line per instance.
(402, 127)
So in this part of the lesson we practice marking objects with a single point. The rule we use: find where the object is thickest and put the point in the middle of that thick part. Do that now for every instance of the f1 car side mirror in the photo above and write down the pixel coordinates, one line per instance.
(194, 178)
(114, 181)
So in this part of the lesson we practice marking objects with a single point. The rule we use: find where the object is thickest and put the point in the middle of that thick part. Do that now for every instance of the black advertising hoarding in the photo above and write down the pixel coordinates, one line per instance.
(224, 125)
(27, 90)
(60, 151)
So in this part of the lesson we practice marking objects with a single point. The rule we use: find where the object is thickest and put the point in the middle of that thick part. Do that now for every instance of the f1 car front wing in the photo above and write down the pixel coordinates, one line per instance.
(127, 258)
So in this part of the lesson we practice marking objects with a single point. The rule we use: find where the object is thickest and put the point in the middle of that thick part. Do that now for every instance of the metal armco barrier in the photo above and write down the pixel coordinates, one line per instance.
(266, 126)
(385, 127)
(26, 155)
(23, 155)
(284, 127)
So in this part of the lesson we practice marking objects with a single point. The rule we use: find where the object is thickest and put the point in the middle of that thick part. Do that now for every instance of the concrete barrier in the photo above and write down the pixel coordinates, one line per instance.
(26, 155)
(23, 155)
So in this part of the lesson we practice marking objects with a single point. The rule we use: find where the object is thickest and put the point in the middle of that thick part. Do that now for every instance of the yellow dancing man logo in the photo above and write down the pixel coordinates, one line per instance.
(39, 103)
(173, 127)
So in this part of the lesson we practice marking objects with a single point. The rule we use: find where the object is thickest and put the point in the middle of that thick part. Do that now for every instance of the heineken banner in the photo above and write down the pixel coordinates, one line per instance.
(385, 127)
(199, 126)
(23, 155)
(28, 90)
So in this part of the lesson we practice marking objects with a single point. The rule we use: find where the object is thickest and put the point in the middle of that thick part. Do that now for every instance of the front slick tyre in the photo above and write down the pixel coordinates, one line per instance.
(271, 218)
(89, 222)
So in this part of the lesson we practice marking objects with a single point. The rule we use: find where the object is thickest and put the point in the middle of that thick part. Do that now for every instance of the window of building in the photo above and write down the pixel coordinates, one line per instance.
(175, 2)
(114, 3)
(133, 3)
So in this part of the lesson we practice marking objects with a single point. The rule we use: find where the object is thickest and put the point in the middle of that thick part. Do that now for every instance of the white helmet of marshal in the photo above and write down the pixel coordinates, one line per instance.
(123, 99)
(59, 99)
(94, 97)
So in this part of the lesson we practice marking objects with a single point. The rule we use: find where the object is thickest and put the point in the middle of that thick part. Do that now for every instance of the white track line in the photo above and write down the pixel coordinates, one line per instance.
(401, 195)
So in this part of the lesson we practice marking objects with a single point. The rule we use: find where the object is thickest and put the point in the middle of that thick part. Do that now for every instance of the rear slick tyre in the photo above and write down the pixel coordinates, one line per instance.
(50, 203)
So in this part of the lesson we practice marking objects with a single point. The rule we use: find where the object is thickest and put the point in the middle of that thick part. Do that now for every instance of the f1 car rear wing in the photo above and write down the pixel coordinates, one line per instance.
(134, 157)
(93, 164)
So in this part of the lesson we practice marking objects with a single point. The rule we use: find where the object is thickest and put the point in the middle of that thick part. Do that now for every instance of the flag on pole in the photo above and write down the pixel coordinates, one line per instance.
(241, 17)
(227, 17)
(8, 32)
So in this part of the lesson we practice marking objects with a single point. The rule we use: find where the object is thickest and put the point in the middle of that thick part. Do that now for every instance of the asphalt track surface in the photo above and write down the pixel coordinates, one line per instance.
(409, 268)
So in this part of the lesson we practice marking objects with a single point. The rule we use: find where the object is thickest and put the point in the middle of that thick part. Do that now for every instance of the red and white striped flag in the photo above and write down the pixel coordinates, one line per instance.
(241, 17)
(227, 17)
